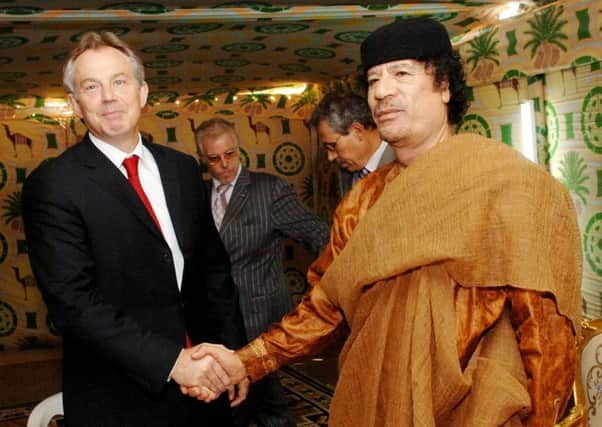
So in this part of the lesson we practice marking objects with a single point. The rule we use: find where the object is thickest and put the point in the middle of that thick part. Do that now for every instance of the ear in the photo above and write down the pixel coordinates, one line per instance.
(357, 127)
(445, 92)
(143, 93)
(74, 105)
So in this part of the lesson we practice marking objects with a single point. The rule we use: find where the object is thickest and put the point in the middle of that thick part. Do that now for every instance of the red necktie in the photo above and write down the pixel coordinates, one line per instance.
(131, 166)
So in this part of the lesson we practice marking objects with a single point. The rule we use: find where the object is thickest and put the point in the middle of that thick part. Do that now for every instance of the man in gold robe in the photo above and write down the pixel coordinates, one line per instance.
(456, 269)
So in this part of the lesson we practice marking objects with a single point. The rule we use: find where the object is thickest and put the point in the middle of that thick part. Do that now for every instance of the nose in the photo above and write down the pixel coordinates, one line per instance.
(331, 155)
(224, 162)
(107, 93)
(380, 89)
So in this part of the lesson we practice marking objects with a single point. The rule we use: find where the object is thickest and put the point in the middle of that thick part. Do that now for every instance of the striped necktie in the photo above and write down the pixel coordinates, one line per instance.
(357, 175)
(220, 203)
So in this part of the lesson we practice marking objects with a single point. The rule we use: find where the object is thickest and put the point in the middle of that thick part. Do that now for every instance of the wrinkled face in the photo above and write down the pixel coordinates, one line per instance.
(222, 156)
(107, 95)
(350, 151)
(406, 105)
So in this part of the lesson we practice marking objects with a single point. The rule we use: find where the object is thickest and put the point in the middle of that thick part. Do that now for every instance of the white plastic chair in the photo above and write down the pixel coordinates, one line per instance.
(43, 412)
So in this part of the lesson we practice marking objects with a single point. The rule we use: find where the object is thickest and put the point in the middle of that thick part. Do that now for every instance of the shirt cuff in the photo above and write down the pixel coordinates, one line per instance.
(174, 366)
(256, 359)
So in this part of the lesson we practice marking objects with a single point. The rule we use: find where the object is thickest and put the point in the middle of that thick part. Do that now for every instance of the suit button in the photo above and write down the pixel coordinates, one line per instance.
(165, 257)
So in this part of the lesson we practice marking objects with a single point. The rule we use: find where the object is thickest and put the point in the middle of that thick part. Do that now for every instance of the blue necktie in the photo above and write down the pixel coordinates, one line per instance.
(357, 175)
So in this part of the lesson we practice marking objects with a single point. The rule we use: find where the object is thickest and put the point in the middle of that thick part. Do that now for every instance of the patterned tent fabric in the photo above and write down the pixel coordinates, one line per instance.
(213, 60)
(192, 50)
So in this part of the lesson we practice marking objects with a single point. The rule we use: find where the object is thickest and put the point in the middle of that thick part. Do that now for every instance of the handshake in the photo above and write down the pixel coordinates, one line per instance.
(207, 370)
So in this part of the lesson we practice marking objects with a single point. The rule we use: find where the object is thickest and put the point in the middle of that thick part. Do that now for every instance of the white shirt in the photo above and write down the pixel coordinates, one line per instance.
(150, 178)
(229, 190)
(374, 160)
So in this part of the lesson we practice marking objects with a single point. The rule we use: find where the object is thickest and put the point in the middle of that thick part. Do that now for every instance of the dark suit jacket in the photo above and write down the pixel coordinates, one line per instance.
(262, 213)
(346, 178)
(107, 276)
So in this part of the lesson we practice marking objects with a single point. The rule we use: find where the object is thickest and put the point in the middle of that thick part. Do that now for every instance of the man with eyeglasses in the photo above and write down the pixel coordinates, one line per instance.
(348, 133)
(255, 213)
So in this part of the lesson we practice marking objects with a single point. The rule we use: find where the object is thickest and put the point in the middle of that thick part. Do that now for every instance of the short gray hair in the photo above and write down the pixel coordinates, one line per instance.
(215, 127)
(94, 40)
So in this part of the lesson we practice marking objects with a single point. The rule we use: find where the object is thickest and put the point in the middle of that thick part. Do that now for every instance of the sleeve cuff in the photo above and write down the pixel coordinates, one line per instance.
(174, 366)
(256, 359)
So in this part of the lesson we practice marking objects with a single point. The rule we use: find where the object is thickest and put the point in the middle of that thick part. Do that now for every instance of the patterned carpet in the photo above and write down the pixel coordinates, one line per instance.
(309, 401)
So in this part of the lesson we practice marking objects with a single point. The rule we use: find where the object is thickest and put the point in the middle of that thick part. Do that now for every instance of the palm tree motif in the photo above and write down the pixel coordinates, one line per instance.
(198, 103)
(73, 128)
(193, 127)
(546, 32)
(17, 138)
(43, 118)
(572, 169)
(483, 55)
(306, 103)
(255, 103)
(11, 101)
(13, 211)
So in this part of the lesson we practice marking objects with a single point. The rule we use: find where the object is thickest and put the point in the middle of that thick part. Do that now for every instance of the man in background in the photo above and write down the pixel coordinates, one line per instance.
(347, 131)
(457, 267)
(127, 258)
(255, 213)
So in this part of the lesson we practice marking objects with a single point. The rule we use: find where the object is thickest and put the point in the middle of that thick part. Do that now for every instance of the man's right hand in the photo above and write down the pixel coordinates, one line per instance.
(228, 361)
(226, 358)
(203, 373)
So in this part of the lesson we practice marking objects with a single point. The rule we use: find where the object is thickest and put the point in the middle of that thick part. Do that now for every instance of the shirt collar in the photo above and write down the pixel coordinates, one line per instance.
(115, 155)
(374, 160)
(216, 183)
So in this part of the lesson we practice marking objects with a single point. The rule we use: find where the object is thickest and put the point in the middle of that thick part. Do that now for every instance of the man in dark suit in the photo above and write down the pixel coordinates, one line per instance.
(347, 131)
(127, 257)
(255, 213)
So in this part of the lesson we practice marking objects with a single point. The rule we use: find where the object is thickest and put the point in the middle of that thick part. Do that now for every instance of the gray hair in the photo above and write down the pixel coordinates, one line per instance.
(94, 40)
(340, 111)
(213, 128)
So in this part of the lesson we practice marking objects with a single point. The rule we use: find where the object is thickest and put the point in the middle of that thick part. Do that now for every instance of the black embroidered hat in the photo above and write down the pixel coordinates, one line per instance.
(412, 38)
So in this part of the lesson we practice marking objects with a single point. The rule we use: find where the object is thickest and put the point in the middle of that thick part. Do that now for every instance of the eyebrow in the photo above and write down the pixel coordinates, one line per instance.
(395, 67)
(94, 79)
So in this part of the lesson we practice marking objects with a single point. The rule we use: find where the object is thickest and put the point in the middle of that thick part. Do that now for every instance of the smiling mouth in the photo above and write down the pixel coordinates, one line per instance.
(111, 114)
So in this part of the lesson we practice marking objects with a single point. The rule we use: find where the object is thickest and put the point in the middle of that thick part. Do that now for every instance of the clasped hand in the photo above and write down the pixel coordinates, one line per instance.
(207, 370)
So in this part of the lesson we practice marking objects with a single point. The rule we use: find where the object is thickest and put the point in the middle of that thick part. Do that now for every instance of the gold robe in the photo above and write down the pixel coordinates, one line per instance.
(459, 280)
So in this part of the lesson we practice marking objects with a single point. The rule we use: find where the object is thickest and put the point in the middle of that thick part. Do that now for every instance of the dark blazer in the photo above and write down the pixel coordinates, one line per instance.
(346, 178)
(107, 276)
(262, 213)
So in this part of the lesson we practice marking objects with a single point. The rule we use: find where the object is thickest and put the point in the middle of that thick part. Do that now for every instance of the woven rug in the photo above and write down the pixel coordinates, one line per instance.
(309, 400)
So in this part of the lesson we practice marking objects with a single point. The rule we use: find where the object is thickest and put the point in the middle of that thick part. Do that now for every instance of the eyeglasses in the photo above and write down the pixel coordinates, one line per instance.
(216, 158)
(332, 146)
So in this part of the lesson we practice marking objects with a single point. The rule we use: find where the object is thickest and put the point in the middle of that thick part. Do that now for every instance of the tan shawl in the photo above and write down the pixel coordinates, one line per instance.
(472, 212)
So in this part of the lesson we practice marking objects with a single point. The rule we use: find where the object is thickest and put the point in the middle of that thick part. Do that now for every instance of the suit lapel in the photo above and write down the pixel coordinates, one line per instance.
(240, 194)
(107, 176)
